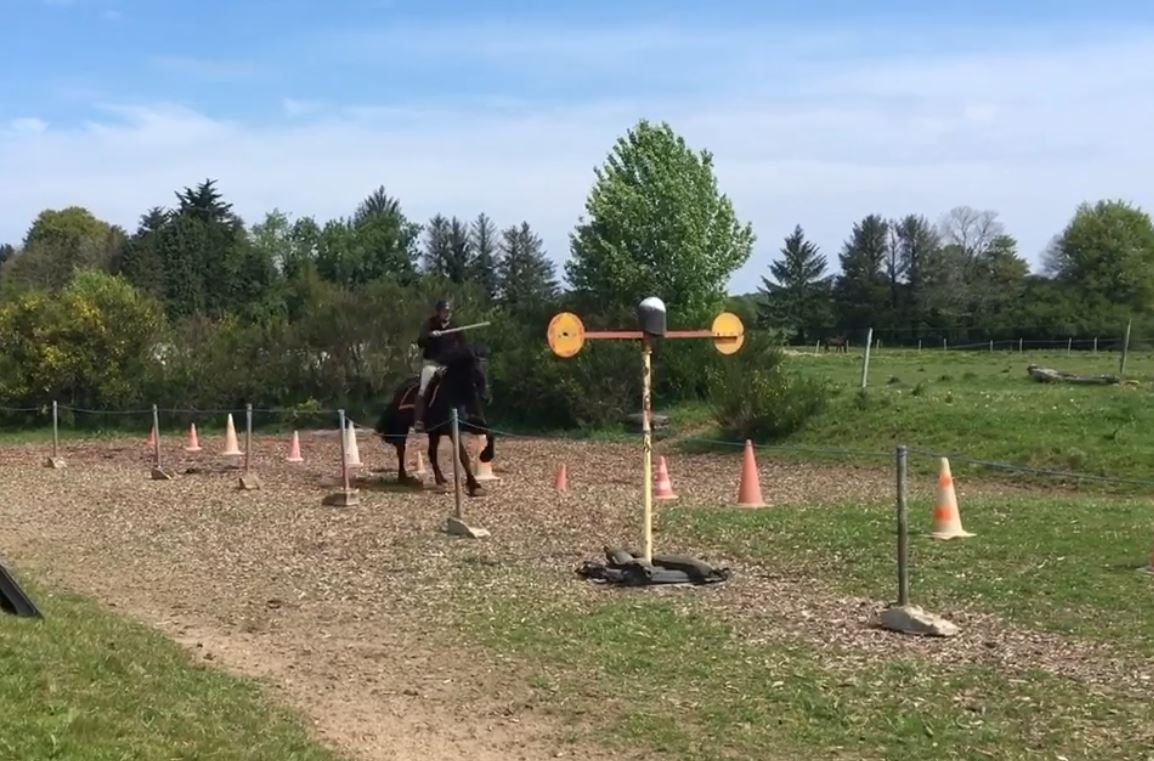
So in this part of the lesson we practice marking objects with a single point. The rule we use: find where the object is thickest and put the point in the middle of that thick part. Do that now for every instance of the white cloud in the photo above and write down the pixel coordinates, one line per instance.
(27, 124)
(1030, 134)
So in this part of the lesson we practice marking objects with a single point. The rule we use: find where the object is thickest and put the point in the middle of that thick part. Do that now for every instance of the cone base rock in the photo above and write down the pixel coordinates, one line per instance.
(911, 619)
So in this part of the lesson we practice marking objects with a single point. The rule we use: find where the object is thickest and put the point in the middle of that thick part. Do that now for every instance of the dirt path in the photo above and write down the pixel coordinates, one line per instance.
(345, 613)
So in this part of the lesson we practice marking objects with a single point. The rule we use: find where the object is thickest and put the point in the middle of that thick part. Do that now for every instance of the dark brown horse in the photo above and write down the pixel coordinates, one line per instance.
(838, 343)
(461, 386)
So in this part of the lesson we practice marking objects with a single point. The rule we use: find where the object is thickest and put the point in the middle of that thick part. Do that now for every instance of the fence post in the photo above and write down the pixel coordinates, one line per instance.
(456, 465)
(919, 346)
(905, 617)
(1125, 350)
(55, 461)
(249, 480)
(991, 346)
(865, 367)
(1069, 345)
(945, 345)
(1020, 342)
(158, 473)
(455, 524)
(346, 497)
(1095, 344)
(903, 532)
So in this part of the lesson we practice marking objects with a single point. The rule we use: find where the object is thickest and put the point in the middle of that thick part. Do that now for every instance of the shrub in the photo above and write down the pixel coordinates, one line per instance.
(754, 396)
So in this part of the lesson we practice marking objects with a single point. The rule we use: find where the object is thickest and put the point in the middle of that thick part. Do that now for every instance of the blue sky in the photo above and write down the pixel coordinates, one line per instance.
(817, 113)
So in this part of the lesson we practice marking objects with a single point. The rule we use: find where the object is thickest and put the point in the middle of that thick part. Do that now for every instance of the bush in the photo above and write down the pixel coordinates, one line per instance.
(755, 397)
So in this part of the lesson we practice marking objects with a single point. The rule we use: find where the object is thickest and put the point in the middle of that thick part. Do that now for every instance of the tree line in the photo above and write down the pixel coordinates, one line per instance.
(964, 279)
(198, 309)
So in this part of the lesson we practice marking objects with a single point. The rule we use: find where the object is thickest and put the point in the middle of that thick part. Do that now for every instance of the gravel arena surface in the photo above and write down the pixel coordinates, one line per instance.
(346, 612)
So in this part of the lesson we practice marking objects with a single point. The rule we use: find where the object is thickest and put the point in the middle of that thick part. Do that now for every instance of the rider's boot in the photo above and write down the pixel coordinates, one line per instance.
(419, 414)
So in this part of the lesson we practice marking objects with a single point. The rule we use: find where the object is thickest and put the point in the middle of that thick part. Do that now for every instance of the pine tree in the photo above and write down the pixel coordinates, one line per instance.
(860, 291)
(459, 264)
(437, 253)
(483, 239)
(799, 300)
(526, 276)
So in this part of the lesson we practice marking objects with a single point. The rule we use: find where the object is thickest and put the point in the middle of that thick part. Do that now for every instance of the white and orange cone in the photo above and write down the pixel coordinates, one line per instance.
(352, 453)
(420, 471)
(749, 492)
(295, 449)
(484, 469)
(561, 479)
(193, 444)
(231, 448)
(662, 486)
(947, 521)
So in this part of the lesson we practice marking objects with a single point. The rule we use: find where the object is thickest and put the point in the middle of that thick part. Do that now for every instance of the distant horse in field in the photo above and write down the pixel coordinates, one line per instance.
(461, 385)
(837, 343)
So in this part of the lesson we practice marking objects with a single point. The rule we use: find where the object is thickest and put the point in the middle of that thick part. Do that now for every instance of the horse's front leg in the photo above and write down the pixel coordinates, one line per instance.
(472, 485)
(403, 476)
(434, 445)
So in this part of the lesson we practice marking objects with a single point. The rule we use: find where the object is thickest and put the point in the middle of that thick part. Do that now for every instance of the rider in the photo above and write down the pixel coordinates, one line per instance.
(436, 345)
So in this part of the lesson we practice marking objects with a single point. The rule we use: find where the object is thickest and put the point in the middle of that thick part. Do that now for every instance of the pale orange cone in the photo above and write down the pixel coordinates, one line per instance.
(151, 437)
(421, 465)
(193, 444)
(484, 469)
(561, 480)
(749, 492)
(352, 453)
(295, 449)
(231, 448)
(662, 486)
(947, 521)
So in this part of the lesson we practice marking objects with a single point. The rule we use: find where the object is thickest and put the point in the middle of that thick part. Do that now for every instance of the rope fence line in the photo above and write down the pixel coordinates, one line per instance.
(863, 454)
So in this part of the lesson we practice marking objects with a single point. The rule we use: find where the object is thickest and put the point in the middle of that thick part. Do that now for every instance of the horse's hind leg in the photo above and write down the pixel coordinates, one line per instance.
(403, 476)
(434, 445)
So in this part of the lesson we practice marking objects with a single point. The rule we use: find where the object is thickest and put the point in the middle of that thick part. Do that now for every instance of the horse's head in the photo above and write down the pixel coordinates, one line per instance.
(467, 368)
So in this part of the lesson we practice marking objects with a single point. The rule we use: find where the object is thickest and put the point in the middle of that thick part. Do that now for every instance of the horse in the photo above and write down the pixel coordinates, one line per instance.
(839, 343)
(460, 385)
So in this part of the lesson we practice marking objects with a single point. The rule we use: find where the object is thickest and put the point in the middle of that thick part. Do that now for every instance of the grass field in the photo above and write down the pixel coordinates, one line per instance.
(1055, 659)
(84, 684)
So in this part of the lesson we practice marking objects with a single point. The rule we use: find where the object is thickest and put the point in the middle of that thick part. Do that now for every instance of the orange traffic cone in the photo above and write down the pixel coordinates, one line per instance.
(947, 522)
(662, 486)
(749, 492)
(193, 444)
(352, 453)
(295, 449)
(151, 437)
(421, 465)
(561, 480)
(231, 448)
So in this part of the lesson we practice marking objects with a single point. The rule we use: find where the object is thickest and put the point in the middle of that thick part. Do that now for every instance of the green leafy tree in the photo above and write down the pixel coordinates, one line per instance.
(657, 225)
(526, 277)
(1107, 250)
(59, 242)
(799, 300)
(386, 241)
(139, 261)
(87, 345)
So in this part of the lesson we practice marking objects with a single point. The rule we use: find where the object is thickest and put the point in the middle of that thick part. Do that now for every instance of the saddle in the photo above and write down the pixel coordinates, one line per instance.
(409, 397)
(627, 568)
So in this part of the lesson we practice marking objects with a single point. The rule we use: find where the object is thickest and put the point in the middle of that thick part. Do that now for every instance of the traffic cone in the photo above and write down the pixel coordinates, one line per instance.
(352, 453)
(749, 491)
(561, 480)
(662, 486)
(193, 444)
(420, 471)
(484, 469)
(947, 522)
(231, 448)
(151, 437)
(295, 449)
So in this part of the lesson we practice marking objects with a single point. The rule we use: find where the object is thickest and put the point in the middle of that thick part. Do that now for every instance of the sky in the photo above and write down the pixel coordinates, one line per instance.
(816, 113)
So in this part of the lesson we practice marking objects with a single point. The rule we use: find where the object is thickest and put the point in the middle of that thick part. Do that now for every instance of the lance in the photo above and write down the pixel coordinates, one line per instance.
(458, 330)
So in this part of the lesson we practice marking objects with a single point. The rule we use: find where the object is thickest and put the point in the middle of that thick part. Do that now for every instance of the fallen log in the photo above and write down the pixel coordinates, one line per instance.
(1050, 375)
